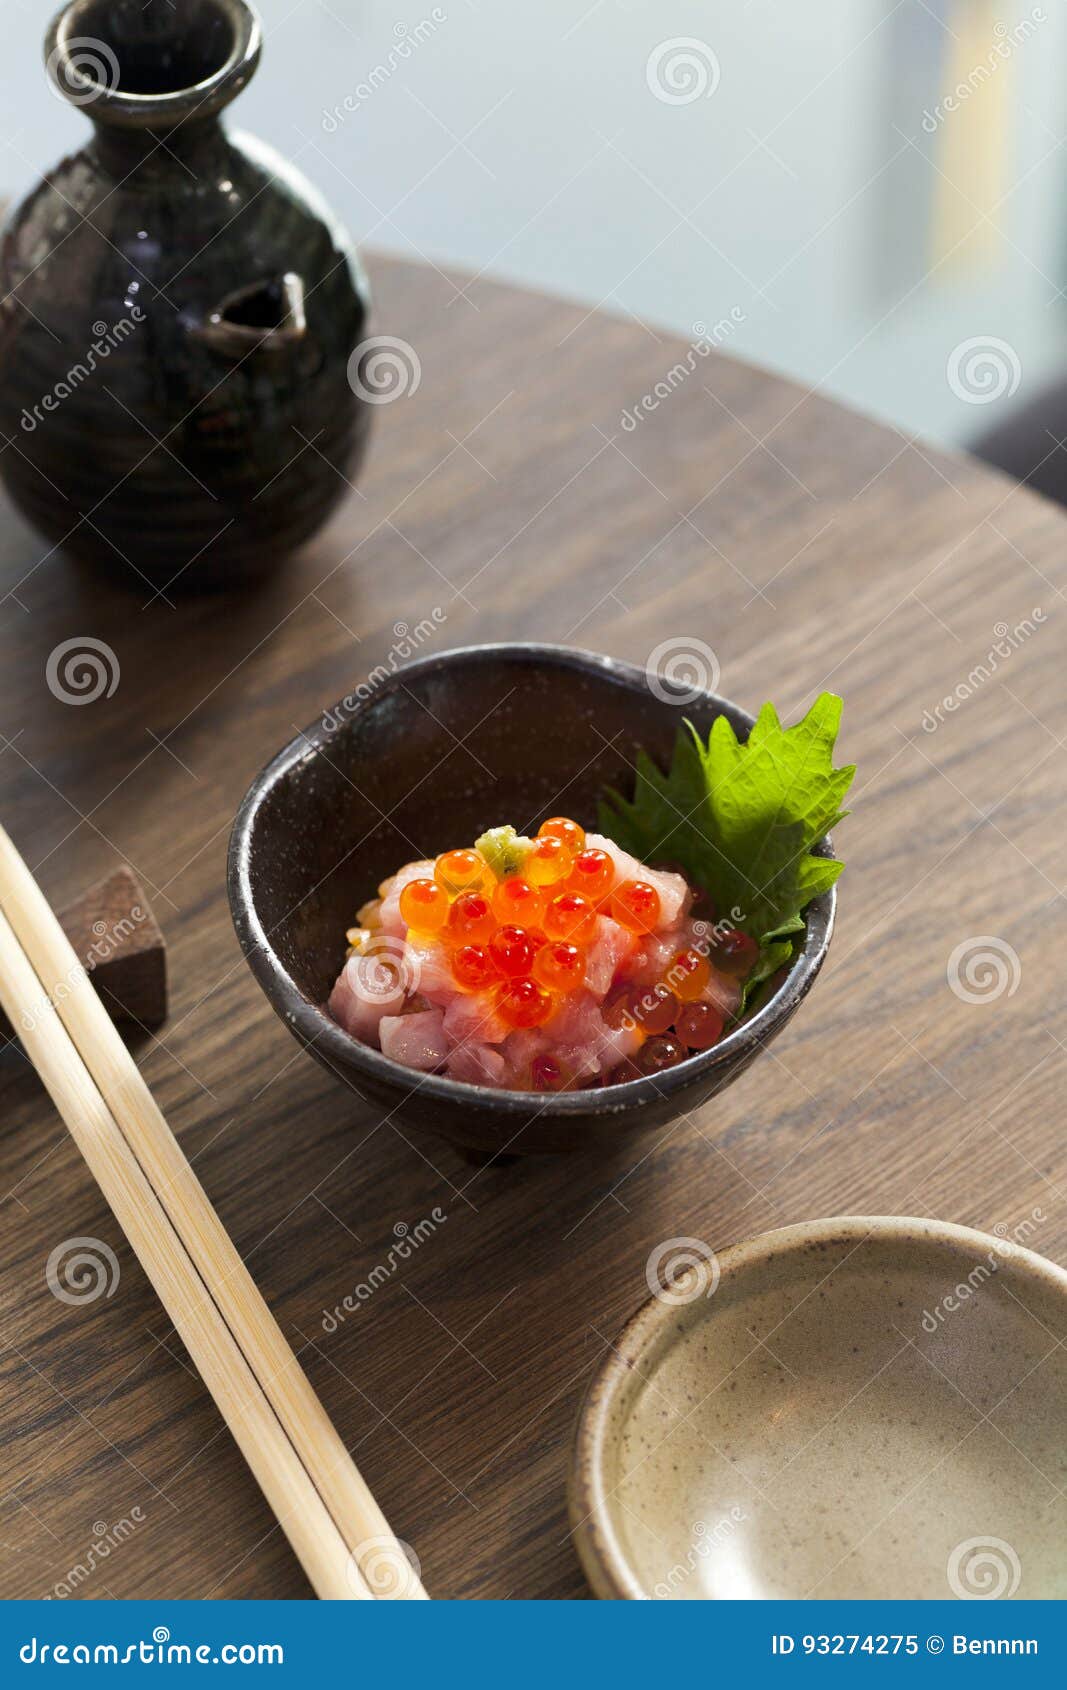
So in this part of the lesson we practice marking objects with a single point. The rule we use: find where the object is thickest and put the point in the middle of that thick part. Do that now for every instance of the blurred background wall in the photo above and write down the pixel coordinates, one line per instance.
(803, 170)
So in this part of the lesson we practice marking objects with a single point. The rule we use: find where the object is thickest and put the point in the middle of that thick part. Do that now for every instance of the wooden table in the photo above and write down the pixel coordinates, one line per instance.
(809, 548)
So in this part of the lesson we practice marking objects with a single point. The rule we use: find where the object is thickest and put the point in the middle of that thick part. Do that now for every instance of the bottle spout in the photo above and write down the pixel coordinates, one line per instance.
(265, 316)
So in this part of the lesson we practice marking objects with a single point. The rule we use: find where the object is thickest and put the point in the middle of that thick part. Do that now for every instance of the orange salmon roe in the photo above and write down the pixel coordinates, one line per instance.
(516, 901)
(635, 906)
(522, 1003)
(424, 906)
(688, 975)
(570, 916)
(592, 874)
(561, 827)
(462, 871)
(548, 863)
(472, 967)
(471, 920)
(512, 952)
(559, 967)
(654, 1008)
(699, 1026)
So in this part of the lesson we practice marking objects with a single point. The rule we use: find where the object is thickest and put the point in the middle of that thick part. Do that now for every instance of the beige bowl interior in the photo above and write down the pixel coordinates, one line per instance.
(861, 1408)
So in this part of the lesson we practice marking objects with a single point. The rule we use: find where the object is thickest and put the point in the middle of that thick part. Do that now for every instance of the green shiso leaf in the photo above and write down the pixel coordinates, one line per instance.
(741, 819)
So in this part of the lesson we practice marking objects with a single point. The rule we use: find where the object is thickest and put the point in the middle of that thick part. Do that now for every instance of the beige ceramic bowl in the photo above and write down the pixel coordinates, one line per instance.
(848, 1408)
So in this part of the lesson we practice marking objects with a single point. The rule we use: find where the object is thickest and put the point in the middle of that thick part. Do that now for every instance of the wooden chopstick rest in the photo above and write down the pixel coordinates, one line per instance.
(112, 931)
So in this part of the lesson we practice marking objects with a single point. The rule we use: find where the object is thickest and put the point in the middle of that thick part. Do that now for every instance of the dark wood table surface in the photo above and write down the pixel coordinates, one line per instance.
(809, 548)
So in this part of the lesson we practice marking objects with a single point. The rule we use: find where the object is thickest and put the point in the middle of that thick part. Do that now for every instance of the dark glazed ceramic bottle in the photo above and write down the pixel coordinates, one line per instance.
(179, 312)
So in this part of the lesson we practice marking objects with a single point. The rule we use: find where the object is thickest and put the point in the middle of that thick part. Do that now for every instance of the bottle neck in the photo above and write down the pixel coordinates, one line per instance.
(184, 149)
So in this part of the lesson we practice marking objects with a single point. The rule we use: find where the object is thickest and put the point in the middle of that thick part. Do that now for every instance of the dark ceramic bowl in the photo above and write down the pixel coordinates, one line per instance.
(428, 758)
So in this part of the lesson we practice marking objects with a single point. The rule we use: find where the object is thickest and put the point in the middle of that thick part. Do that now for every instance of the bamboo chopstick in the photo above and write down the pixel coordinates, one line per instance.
(256, 1428)
(358, 1518)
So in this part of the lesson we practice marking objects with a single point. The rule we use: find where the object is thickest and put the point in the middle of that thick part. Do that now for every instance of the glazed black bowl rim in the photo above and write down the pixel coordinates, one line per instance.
(314, 1025)
(132, 110)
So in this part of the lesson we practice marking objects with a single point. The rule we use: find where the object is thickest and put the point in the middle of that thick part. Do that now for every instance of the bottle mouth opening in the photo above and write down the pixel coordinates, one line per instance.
(147, 63)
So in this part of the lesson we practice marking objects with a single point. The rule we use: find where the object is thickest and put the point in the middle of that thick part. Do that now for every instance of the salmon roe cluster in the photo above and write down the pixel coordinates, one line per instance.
(541, 964)
(524, 936)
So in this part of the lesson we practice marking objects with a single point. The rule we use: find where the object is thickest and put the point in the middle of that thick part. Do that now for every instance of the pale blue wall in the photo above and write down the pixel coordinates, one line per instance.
(580, 179)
